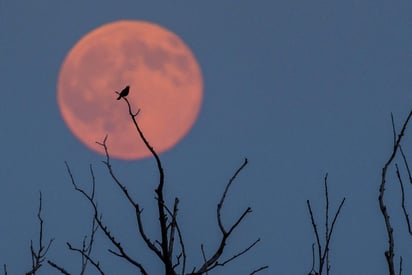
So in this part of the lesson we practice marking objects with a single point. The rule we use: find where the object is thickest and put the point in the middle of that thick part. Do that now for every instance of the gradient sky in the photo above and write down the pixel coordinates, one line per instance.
(301, 88)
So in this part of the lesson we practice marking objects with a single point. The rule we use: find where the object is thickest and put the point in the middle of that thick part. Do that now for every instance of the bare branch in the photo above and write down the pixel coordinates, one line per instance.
(312, 270)
(405, 161)
(332, 227)
(389, 253)
(315, 230)
(165, 256)
(39, 256)
(405, 212)
(204, 256)
(216, 263)
(238, 254)
(97, 216)
(179, 233)
(86, 249)
(173, 227)
(59, 268)
(323, 255)
(85, 254)
(222, 199)
(212, 262)
(327, 223)
(393, 129)
(259, 269)
(131, 201)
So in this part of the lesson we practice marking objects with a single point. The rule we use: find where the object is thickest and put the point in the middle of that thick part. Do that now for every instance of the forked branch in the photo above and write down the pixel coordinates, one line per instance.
(38, 256)
(323, 254)
(98, 218)
(389, 253)
(213, 261)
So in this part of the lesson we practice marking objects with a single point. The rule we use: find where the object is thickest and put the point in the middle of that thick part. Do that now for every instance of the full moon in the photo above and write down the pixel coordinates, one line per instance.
(165, 84)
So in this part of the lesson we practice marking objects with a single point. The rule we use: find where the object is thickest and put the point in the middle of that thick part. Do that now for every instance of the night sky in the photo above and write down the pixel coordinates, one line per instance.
(300, 88)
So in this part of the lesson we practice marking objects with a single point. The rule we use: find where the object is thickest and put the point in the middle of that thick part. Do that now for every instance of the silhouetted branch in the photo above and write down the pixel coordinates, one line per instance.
(86, 249)
(204, 256)
(165, 256)
(136, 206)
(323, 255)
(59, 268)
(172, 226)
(315, 229)
(393, 129)
(238, 254)
(405, 161)
(405, 212)
(312, 270)
(98, 218)
(86, 256)
(332, 227)
(389, 253)
(327, 222)
(259, 269)
(212, 262)
(38, 256)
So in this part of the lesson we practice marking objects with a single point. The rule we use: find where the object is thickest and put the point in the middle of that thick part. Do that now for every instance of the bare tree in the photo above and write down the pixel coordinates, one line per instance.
(170, 248)
(397, 148)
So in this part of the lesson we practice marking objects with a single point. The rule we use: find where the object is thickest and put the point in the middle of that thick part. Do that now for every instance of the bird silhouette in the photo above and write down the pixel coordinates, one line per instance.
(124, 92)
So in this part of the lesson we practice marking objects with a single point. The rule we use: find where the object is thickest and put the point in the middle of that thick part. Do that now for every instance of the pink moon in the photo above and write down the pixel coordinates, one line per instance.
(165, 84)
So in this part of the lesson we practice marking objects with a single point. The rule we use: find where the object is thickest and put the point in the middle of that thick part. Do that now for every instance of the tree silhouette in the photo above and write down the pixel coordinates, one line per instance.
(323, 254)
(397, 148)
(170, 248)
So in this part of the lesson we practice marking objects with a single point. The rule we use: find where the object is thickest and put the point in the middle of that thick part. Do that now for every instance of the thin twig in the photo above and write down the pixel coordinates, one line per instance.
(39, 255)
(173, 227)
(238, 254)
(59, 268)
(86, 250)
(323, 255)
(393, 129)
(235, 256)
(222, 199)
(204, 256)
(312, 270)
(333, 226)
(327, 222)
(405, 161)
(87, 256)
(259, 269)
(315, 229)
(405, 212)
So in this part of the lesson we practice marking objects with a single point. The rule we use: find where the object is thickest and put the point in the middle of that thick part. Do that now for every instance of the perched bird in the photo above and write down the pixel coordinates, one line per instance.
(124, 92)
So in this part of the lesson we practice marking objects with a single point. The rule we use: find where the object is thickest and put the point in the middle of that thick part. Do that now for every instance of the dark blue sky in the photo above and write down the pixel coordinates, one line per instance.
(301, 88)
